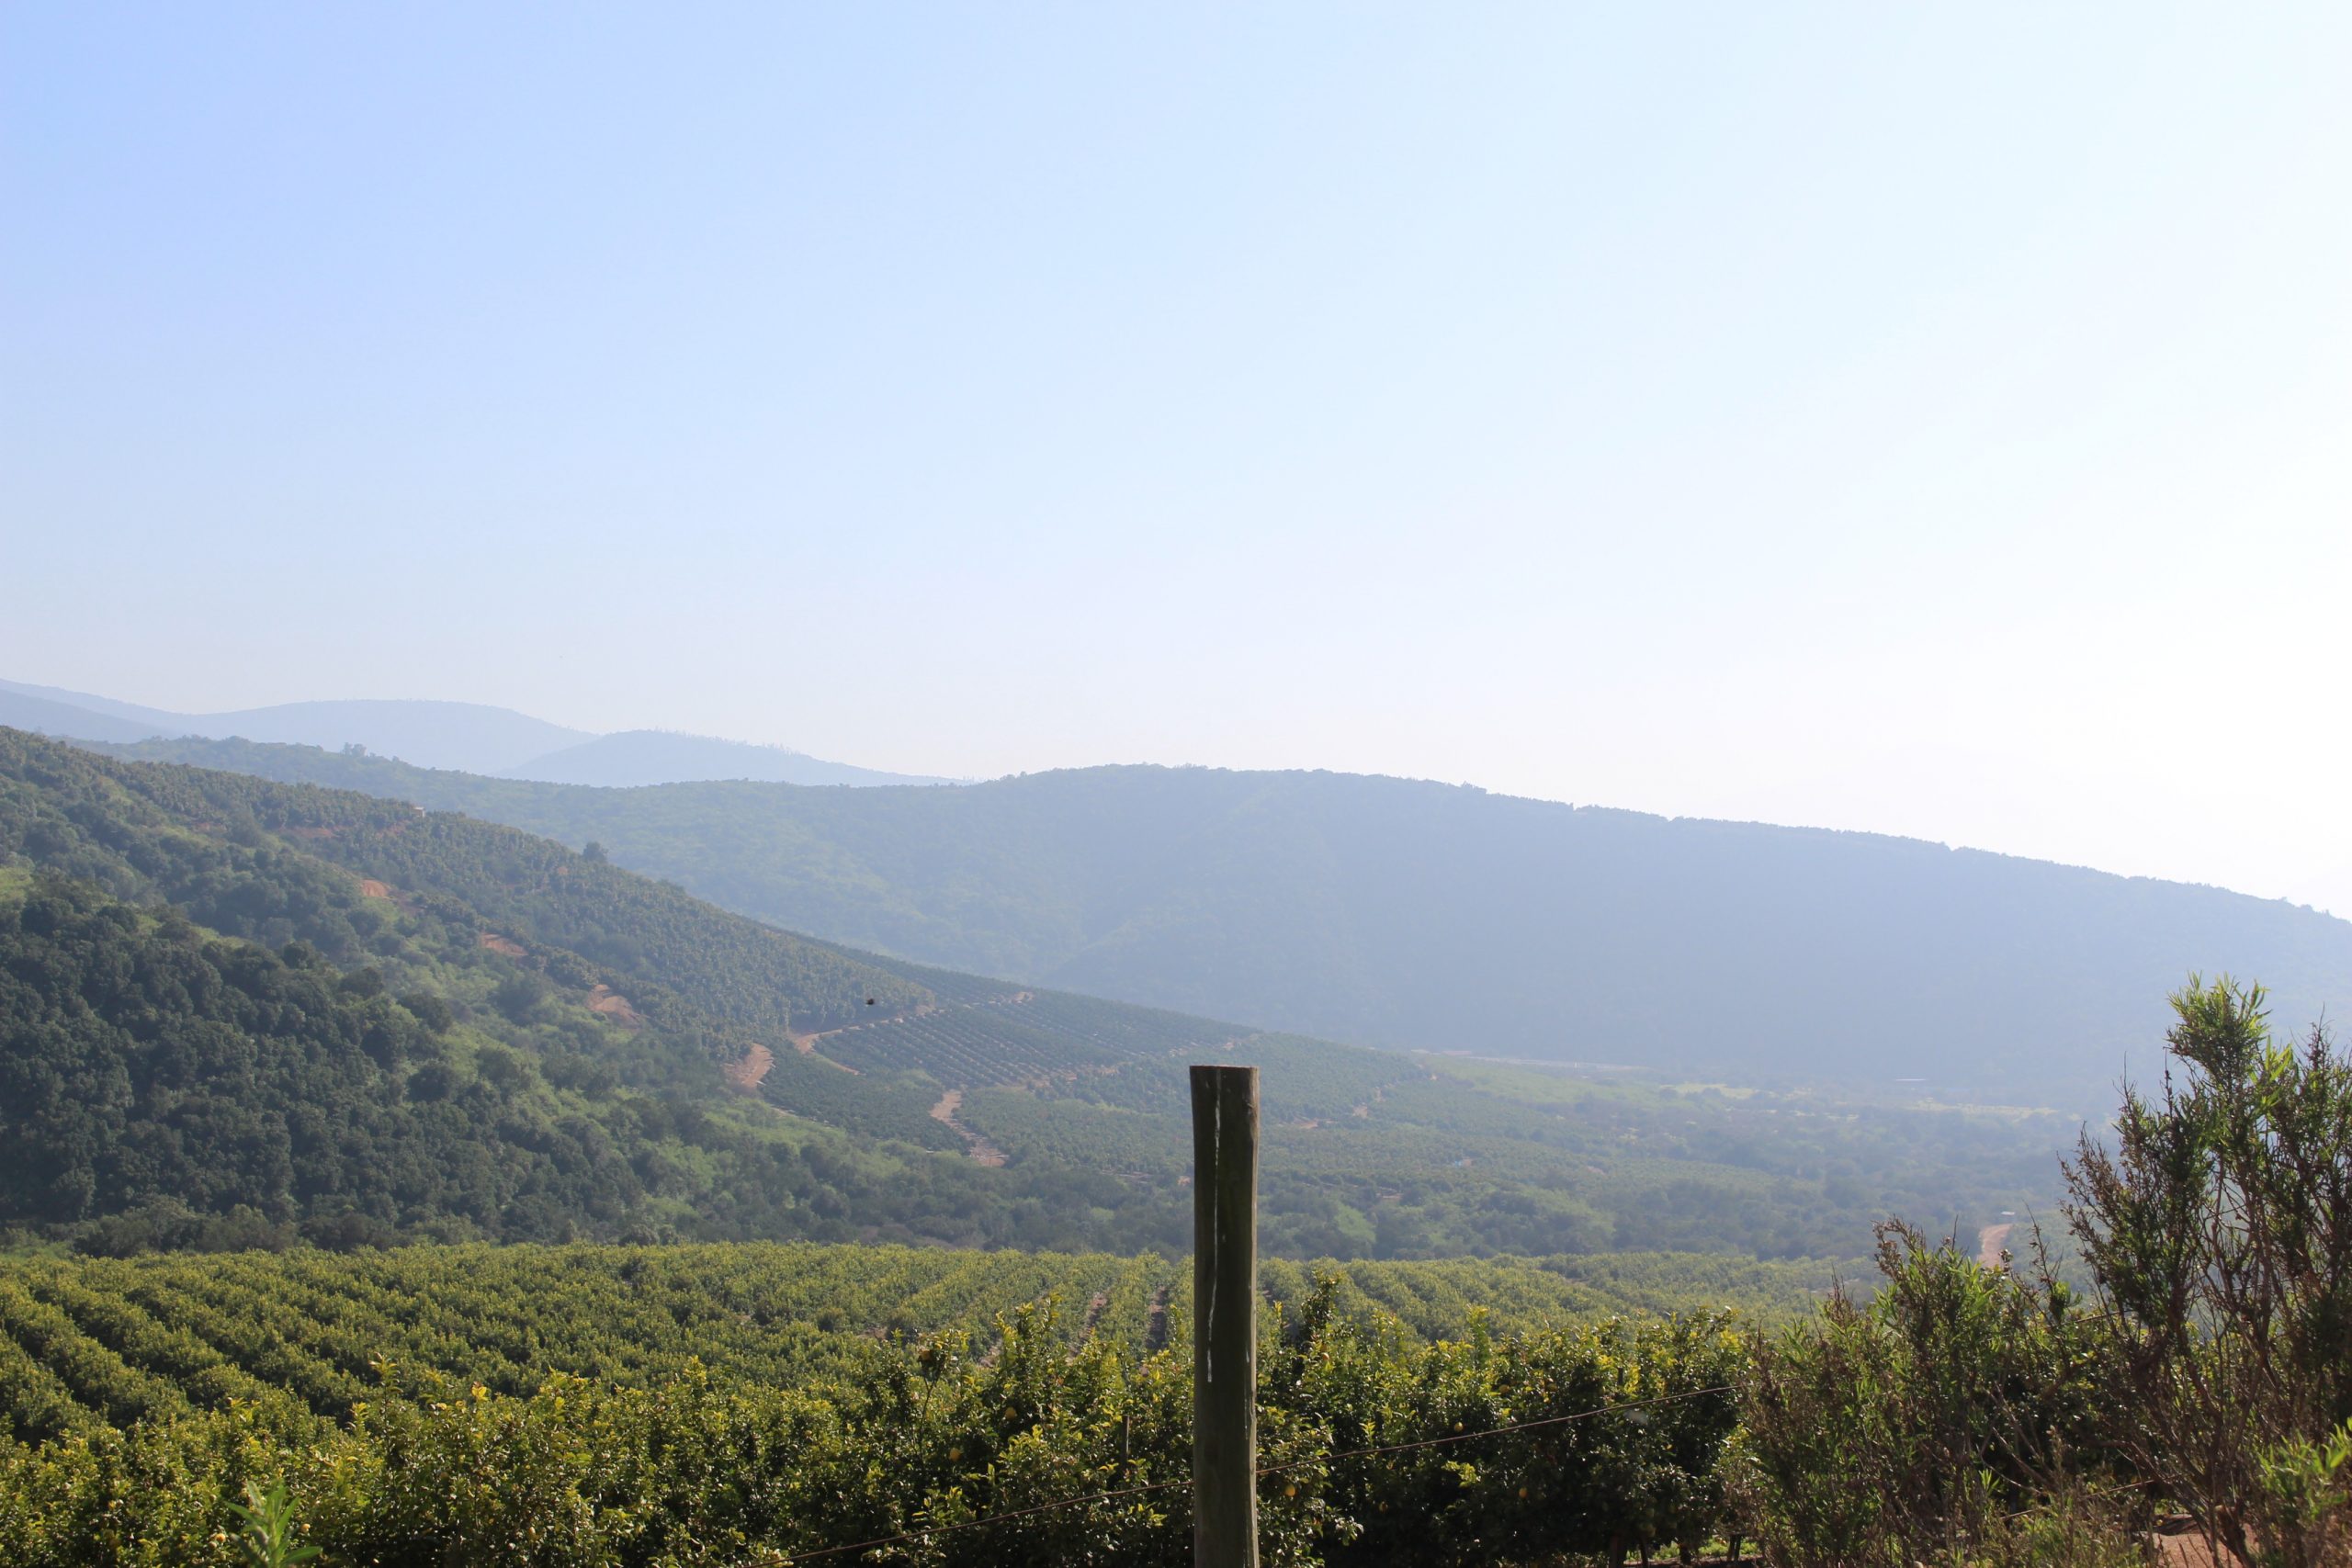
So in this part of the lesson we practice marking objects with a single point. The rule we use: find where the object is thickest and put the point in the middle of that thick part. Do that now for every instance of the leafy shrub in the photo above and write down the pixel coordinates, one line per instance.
(1900, 1430)
(2220, 1231)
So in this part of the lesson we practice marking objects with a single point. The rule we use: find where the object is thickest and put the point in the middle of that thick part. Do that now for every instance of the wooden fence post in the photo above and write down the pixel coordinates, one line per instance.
(1224, 1317)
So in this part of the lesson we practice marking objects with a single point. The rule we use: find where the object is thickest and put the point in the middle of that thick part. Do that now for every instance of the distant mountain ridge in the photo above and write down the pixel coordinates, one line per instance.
(22, 709)
(636, 757)
(1413, 914)
(471, 738)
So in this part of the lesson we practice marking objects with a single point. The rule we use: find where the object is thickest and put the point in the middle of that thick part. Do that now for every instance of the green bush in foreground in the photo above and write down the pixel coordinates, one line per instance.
(1914, 1428)
(2220, 1231)
(1968, 1415)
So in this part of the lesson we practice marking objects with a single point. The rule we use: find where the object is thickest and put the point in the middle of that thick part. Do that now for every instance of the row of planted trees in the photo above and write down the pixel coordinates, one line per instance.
(2202, 1370)
(939, 1454)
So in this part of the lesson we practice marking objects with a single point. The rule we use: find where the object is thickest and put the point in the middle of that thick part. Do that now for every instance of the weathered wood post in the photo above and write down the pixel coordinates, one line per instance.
(1224, 1317)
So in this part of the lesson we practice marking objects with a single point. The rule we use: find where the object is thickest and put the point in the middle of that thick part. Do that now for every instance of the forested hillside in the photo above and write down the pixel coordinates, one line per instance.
(1418, 915)
(245, 1010)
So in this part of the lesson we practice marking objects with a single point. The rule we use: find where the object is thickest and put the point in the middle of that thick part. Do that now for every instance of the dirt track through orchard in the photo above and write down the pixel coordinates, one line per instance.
(979, 1148)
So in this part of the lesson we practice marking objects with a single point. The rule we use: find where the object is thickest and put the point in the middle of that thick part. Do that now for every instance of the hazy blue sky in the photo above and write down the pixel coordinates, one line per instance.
(1940, 423)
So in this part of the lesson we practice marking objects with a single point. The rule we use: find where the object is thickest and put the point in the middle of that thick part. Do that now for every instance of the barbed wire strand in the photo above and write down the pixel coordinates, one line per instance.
(1117, 1493)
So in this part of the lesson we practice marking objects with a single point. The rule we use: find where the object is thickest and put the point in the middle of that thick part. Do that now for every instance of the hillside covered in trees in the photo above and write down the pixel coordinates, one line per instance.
(236, 1011)
(1423, 916)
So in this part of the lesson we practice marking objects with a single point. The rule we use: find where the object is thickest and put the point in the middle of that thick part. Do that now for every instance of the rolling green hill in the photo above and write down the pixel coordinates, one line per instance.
(378, 1072)
(1422, 916)
(238, 1008)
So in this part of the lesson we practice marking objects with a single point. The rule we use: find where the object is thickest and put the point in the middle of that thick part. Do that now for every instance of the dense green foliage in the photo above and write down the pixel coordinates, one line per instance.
(539, 1044)
(145, 1061)
(1906, 1430)
(930, 1443)
(1412, 914)
(166, 1087)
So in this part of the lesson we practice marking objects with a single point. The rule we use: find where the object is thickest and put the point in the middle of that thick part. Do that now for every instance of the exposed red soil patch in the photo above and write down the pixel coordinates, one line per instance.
(497, 943)
(979, 1148)
(371, 889)
(2184, 1546)
(743, 1076)
(1990, 1241)
(1155, 1326)
(606, 1000)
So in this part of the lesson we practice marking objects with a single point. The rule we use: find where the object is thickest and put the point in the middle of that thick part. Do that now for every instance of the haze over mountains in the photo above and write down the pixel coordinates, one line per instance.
(1431, 916)
(470, 736)
(230, 1008)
